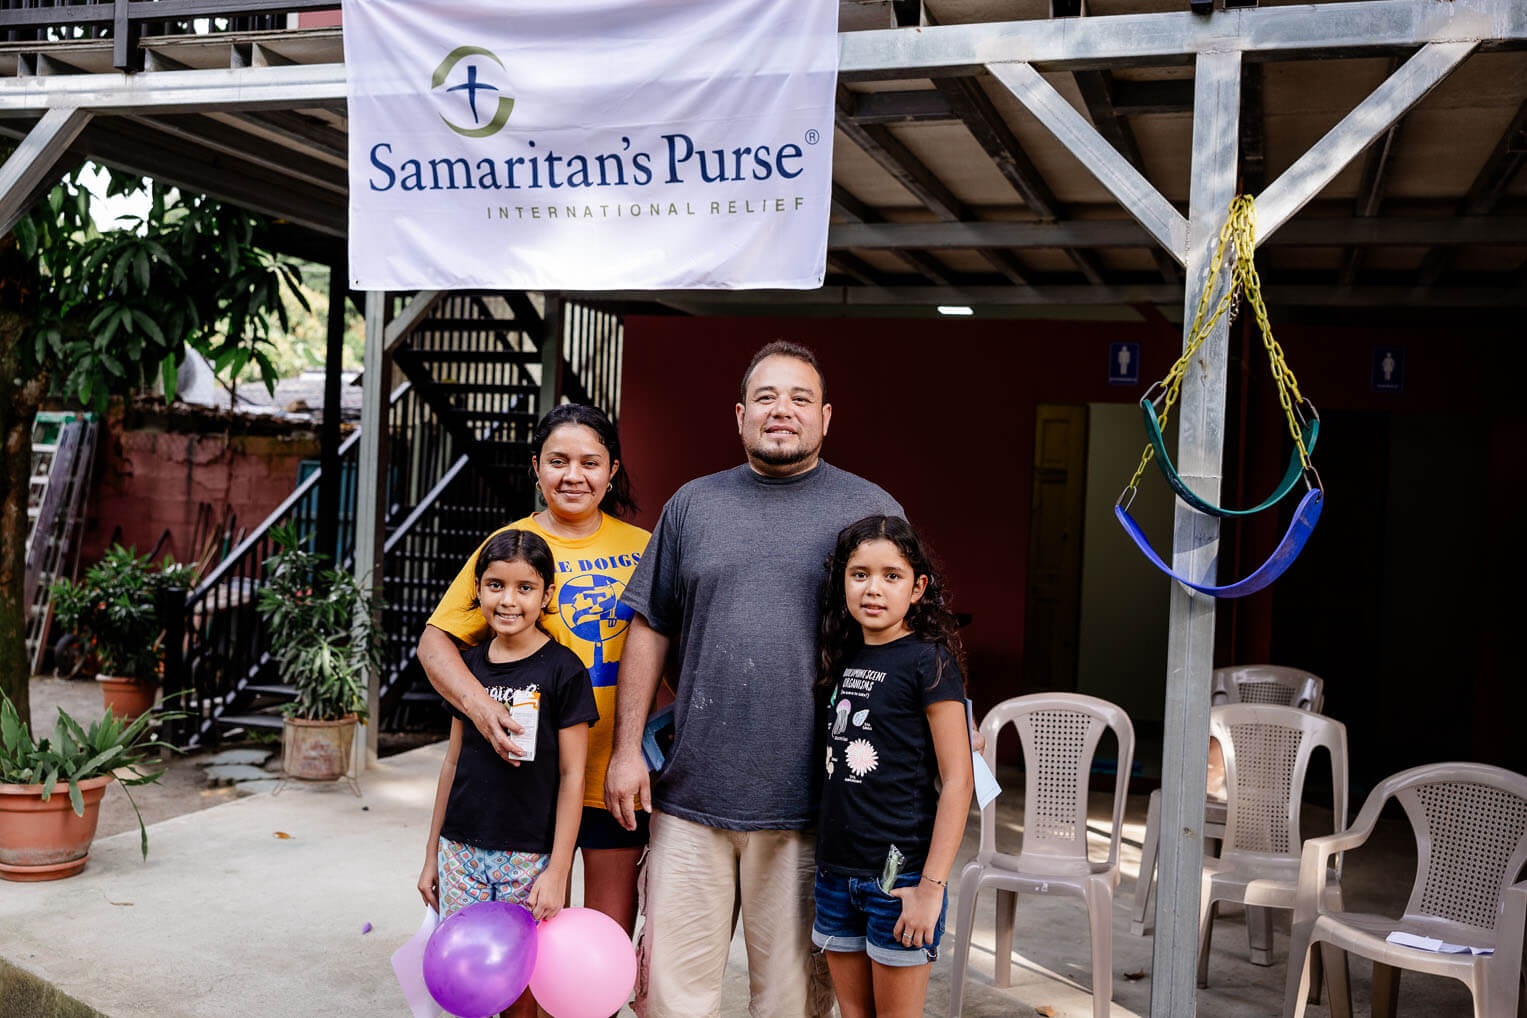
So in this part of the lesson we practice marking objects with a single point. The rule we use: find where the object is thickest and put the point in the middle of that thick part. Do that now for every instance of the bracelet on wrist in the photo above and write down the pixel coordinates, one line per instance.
(942, 883)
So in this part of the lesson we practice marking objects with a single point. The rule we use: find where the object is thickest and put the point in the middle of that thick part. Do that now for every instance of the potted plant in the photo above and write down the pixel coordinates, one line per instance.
(51, 789)
(325, 638)
(115, 609)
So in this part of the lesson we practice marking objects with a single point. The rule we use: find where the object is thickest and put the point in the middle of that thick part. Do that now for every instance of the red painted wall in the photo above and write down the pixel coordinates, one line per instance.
(152, 473)
(939, 413)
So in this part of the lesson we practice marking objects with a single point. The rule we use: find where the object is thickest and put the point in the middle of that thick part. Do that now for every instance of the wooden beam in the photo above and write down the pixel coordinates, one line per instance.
(1370, 191)
(1138, 196)
(849, 207)
(1140, 98)
(911, 107)
(1320, 164)
(1097, 88)
(219, 137)
(856, 268)
(1502, 165)
(882, 146)
(173, 161)
(981, 118)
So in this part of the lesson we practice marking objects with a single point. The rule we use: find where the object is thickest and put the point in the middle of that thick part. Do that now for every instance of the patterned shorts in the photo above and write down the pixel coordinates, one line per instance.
(469, 874)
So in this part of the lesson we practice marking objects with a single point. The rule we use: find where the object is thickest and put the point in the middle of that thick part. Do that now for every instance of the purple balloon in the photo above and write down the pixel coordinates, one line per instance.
(478, 961)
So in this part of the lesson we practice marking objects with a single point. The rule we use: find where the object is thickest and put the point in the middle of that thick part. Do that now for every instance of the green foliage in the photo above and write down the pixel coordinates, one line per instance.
(116, 608)
(324, 628)
(117, 309)
(76, 754)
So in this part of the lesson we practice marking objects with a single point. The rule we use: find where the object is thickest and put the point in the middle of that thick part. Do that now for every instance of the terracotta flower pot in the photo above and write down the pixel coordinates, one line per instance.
(45, 840)
(317, 750)
(127, 698)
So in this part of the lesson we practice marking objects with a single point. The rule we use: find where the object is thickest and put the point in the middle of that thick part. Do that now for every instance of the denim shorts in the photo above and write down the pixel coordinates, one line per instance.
(854, 914)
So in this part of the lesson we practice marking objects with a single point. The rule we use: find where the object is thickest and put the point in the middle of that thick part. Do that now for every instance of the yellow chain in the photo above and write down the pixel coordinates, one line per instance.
(1239, 235)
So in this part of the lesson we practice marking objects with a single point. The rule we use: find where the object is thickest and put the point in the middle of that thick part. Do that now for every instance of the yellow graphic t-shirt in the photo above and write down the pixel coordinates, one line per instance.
(585, 615)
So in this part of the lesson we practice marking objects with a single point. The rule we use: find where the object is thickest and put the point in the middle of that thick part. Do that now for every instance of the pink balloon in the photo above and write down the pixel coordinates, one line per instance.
(585, 965)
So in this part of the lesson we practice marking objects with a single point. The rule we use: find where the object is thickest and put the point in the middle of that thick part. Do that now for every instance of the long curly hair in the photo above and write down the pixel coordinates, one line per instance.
(839, 637)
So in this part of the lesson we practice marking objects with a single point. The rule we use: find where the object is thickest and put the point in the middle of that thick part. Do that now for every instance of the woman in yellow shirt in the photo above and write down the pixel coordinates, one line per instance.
(578, 471)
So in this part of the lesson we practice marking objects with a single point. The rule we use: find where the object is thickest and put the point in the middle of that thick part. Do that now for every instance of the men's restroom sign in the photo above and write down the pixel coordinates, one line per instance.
(1123, 363)
(1388, 369)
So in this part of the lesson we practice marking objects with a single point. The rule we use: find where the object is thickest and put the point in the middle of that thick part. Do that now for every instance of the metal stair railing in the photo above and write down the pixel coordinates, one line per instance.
(458, 468)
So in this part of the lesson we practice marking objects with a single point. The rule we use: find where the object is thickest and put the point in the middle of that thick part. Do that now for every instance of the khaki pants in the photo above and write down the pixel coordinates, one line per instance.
(695, 883)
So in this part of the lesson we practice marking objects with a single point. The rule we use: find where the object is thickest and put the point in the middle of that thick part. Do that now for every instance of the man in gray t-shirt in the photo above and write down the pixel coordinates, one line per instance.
(733, 573)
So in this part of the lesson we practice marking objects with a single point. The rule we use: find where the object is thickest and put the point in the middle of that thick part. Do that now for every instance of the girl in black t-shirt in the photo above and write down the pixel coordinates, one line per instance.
(505, 831)
(888, 831)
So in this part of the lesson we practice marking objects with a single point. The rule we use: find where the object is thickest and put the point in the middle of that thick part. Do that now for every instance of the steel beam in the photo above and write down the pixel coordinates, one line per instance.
(1139, 198)
(1299, 31)
(200, 91)
(35, 160)
(1307, 231)
(1312, 171)
(1322, 295)
(371, 487)
(1195, 552)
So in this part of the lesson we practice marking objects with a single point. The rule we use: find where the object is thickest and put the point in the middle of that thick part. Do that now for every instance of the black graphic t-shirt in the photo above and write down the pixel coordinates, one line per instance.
(880, 788)
(493, 805)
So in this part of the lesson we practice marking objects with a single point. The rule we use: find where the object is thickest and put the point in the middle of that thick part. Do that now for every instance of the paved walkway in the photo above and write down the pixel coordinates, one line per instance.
(227, 917)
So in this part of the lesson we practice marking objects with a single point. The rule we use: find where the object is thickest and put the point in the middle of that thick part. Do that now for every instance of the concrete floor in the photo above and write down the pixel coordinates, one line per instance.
(228, 917)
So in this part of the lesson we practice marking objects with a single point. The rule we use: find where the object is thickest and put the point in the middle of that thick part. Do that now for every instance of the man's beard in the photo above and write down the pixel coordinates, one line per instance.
(787, 457)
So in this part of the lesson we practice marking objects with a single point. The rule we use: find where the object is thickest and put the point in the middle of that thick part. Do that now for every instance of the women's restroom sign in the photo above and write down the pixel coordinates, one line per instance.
(1123, 363)
(1388, 369)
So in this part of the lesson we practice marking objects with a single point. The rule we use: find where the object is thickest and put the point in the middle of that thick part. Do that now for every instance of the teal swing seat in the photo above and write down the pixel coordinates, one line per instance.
(1169, 471)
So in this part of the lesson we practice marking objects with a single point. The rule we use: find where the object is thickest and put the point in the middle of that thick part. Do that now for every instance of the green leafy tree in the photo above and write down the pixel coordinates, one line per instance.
(87, 315)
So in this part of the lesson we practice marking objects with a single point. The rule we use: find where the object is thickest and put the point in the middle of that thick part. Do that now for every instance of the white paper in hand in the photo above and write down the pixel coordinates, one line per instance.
(408, 966)
(987, 788)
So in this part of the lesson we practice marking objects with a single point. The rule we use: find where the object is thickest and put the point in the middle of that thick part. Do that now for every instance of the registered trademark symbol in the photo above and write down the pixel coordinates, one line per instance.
(812, 137)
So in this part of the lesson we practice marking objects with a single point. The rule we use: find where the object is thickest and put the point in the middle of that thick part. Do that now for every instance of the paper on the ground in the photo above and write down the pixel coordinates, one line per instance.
(987, 788)
(408, 966)
(1436, 944)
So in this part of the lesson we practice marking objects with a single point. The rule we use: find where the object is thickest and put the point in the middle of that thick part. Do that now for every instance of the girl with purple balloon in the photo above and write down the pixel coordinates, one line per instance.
(505, 831)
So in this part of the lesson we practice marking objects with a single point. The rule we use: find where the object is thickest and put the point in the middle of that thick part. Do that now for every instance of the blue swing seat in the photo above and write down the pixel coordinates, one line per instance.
(1299, 530)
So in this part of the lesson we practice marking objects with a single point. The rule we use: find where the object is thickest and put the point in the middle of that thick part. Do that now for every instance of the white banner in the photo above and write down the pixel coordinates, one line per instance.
(589, 144)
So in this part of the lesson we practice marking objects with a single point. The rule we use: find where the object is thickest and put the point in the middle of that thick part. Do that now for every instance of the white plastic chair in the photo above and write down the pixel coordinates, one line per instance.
(1267, 754)
(1060, 733)
(1274, 684)
(1470, 824)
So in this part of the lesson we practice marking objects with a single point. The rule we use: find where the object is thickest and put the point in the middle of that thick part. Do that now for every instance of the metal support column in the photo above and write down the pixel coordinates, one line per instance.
(371, 487)
(330, 468)
(1195, 548)
(551, 354)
